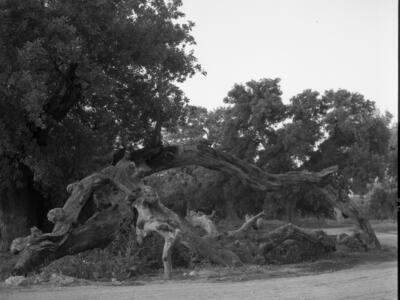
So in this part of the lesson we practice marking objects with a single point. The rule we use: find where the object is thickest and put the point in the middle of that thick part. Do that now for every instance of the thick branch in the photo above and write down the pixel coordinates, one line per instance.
(162, 158)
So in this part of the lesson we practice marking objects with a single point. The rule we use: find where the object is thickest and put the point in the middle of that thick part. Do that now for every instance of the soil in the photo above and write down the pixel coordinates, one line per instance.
(372, 275)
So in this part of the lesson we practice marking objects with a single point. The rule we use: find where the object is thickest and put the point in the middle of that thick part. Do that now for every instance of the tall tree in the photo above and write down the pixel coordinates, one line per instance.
(312, 132)
(356, 139)
(78, 78)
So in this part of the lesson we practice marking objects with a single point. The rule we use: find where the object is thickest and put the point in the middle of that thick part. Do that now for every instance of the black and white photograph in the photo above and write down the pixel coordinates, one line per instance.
(199, 149)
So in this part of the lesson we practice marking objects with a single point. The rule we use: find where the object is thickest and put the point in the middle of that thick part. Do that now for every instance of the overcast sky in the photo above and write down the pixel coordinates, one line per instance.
(317, 44)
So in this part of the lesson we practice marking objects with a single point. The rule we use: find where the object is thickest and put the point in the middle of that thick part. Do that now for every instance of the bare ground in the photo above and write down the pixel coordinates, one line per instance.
(371, 280)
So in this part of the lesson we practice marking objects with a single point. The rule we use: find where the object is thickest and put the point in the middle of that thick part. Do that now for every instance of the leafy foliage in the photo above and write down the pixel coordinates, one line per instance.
(312, 132)
(79, 78)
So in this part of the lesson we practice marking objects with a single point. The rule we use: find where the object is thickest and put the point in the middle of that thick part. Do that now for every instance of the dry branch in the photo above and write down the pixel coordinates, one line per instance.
(203, 221)
(245, 225)
(292, 232)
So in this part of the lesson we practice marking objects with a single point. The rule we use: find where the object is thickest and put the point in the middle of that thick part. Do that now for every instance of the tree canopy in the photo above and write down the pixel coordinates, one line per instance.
(79, 78)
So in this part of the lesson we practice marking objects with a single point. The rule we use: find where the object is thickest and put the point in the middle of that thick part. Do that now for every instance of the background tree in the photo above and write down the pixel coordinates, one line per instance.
(356, 139)
(311, 132)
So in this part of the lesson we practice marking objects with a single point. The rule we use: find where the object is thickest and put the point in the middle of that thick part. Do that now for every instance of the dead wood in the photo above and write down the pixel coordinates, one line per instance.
(104, 200)
(199, 219)
(199, 153)
(249, 222)
(289, 231)
(351, 209)
(112, 194)
(154, 216)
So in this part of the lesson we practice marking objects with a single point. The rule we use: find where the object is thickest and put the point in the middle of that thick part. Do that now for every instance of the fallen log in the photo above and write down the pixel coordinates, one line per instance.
(110, 197)
(199, 153)
(42, 251)
(103, 200)
(290, 235)
(98, 203)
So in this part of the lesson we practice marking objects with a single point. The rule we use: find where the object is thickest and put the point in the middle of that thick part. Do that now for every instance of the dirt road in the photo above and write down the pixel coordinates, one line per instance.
(369, 281)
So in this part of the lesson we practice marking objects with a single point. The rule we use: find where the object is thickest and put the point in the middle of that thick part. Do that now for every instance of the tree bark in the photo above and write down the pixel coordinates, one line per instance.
(199, 153)
(21, 207)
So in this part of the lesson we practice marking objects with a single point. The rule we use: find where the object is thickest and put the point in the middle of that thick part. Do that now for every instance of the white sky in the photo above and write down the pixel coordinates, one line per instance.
(317, 44)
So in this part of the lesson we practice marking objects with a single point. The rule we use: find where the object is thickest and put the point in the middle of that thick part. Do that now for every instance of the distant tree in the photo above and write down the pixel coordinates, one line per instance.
(312, 132)
(254, 109)
(393, 159)
(356, 139)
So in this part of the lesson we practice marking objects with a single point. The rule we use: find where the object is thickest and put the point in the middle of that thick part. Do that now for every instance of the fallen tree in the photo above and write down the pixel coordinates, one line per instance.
(104, 200)
(100, 203)
(199, 153)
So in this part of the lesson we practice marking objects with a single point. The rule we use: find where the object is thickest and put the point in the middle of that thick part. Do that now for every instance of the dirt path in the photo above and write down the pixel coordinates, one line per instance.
(369, 281)
(363, 282)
